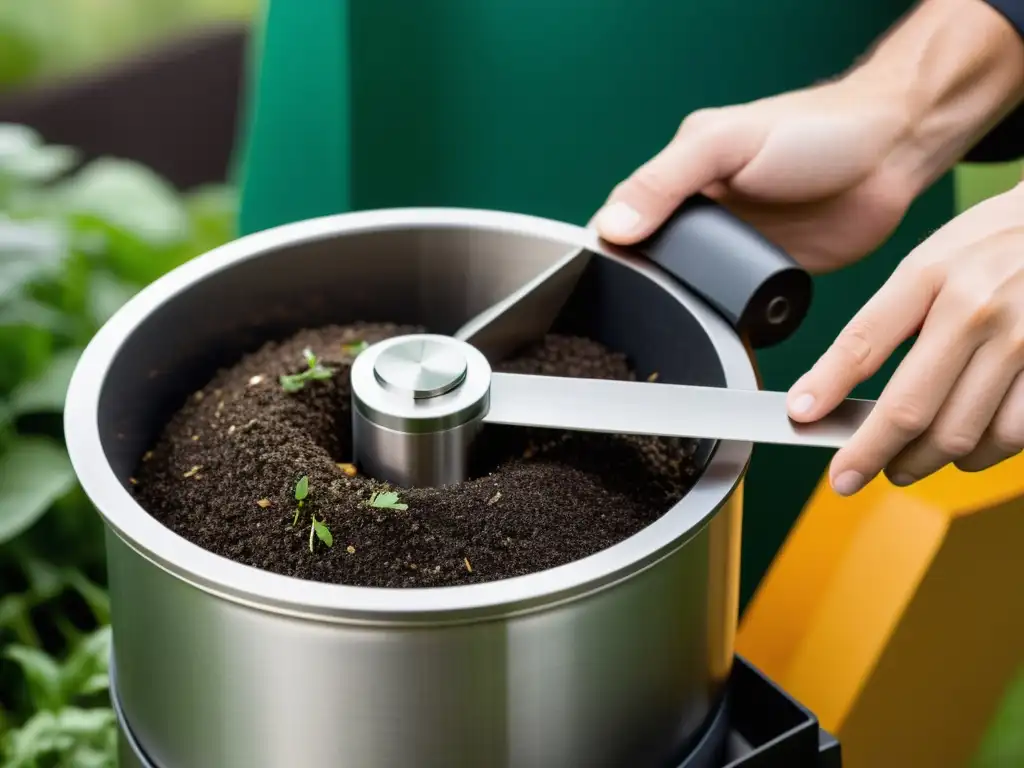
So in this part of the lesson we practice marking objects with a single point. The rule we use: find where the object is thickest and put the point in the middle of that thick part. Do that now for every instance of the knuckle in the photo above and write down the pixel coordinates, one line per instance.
(854, 344)
(954, 444)
(907, 415)
(1015, 343)
(924, 266)
(1007, 436)
(653, 180)
(699, 121)
(978, 305)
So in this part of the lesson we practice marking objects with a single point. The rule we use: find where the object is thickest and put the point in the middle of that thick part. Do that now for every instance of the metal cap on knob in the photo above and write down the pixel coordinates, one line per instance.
(421, 367)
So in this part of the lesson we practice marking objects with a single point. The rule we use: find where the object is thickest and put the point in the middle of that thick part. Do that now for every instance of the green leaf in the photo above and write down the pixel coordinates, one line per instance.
(355, 348)
(96, 684)
(86, 723)
(24, 352)
(29, 252)
(34, 473)
(40, 164)
(213, 210)
(46, 393)
(320, 373)
(129, 197)
(42, 675)
(386, 500)
(292, 383)
(37, 738)
(16, 140)
(302, 488)
(86, 756)
(45, 581)
(96, 597)
(13, 608)
(323, 532)
(89, 659)
(68, 733)
(28, 313)
(107, 294)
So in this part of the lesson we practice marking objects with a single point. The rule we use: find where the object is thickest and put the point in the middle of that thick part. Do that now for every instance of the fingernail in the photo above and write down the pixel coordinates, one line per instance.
(618, 220)
(848, 483)
(902, 480)
(801, 404)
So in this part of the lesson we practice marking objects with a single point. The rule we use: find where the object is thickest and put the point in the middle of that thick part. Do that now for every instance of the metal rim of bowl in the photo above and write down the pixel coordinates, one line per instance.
(267, 591)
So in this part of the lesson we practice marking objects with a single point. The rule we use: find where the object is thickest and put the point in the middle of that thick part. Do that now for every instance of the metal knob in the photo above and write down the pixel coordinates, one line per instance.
(418, 402)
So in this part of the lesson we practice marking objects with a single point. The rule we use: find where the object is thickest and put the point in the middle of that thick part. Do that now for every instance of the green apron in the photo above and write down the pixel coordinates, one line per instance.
(540, 107)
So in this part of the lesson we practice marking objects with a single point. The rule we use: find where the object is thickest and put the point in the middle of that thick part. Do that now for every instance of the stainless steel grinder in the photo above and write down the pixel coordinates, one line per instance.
(618, 659)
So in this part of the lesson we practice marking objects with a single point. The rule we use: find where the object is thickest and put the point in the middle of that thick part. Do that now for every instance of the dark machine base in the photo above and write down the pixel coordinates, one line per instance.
(770, 729)
(758, 727)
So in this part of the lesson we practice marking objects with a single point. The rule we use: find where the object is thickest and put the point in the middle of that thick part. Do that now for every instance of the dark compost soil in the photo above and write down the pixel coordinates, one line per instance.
(224, 472)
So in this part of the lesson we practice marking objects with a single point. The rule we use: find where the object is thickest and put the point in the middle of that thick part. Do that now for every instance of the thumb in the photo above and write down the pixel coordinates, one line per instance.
(643, 202)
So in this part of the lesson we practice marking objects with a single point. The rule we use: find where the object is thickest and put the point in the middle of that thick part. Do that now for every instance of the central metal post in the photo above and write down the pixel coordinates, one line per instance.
(418, 403)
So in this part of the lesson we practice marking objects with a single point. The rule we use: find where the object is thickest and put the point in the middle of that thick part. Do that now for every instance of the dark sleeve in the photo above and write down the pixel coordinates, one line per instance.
(1006, 141)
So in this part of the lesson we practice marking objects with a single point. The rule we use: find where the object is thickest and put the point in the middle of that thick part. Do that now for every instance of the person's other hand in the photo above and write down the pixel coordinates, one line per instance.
(958, 396)
(826, 173)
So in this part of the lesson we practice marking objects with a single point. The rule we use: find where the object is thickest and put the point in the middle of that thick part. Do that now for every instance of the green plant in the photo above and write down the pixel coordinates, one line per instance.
(301, 492)
(314, 372)
(318, 528)
(354, 348)
(75, 244)
(386, 500)
(71, 721)
(322, 532)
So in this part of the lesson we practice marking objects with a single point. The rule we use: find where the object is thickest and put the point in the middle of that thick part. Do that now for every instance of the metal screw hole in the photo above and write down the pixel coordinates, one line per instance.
(778, 310)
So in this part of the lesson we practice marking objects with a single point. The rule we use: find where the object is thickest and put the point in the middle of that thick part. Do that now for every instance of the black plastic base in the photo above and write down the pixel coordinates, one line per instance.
(760, 726)
(769, 729)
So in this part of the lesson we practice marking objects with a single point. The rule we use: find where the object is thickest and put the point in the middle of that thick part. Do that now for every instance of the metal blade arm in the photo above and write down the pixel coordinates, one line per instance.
(668, 410)
(526, 315)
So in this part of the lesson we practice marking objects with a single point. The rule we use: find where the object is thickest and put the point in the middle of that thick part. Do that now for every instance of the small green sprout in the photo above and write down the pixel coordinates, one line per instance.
(354, 348)
(301, 492)
(322, 532)
(386, 500)
(314, 371)
(318, 529)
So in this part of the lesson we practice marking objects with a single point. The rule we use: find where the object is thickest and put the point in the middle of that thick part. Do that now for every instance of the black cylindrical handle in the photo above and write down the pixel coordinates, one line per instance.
(749, 280)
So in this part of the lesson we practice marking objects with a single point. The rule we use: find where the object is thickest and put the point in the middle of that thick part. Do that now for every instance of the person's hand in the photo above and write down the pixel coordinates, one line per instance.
(958, 396)
(826, 173)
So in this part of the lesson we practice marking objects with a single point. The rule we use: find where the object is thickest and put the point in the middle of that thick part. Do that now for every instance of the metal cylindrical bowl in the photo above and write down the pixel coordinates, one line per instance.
(618, 659)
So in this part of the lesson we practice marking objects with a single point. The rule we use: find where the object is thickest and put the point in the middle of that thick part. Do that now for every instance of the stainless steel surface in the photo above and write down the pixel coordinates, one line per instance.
(671, 410)
(611, 660)
(129, 752)
(421, 425)
(527, 314)
(411, 459)
(127, 757)
(416, 407)
(421, 368)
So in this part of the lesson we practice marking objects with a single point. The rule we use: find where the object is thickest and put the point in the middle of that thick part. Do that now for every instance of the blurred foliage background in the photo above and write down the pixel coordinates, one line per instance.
(45, 39)
(76, 241)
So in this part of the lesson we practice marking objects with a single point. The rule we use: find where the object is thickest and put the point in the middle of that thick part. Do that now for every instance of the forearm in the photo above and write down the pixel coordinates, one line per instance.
(956, 68)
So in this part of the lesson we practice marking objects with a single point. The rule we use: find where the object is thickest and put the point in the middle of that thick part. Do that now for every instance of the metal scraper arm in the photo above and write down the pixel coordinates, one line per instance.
(668, 410)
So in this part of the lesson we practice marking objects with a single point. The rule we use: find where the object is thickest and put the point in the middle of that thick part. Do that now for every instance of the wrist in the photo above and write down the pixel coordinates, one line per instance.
(949, 73)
